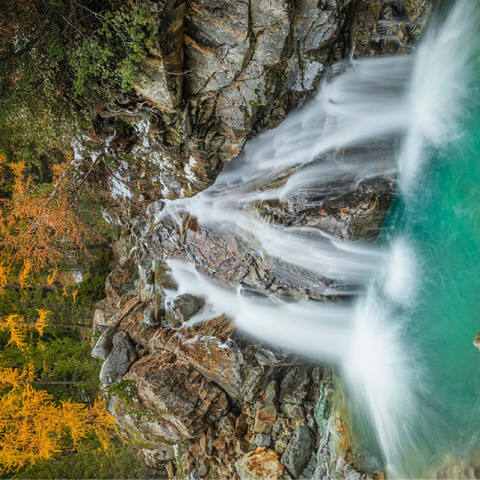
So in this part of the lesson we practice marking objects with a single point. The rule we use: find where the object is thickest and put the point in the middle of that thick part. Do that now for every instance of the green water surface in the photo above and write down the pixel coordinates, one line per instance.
(439, 218)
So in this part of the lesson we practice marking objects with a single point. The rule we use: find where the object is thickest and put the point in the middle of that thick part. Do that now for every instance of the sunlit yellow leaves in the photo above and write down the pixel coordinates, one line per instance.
(17, 327)
(4, 274)
(10, 377)
(17, 331)
(102, 422)
(41, 322)
(23, 277)
(73, 417)
(51, 278)
(33, 426)
(14, 378)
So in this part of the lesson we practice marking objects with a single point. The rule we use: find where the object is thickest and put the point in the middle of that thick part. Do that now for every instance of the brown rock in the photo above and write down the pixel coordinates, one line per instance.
(120, 281)
(241, 447)
(188, 463)
(167, 389)
(220, 444)
(476, 341)
(241, 425)
(226, 426)
(262, 464)
(105, 314)
(265, 418)
(224, 366)
(170, 468)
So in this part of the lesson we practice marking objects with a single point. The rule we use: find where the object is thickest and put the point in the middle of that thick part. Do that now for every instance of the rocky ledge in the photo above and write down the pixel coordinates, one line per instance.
(203, 402)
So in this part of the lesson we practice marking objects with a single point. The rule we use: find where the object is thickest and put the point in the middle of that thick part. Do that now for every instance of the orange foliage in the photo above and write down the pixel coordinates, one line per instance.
(39, 225)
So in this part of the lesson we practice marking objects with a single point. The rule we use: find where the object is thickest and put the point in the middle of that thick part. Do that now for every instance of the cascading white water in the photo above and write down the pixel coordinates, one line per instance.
(409, 100)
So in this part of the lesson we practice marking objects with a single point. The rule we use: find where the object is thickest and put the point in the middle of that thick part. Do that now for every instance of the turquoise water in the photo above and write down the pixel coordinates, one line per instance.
(439, 219)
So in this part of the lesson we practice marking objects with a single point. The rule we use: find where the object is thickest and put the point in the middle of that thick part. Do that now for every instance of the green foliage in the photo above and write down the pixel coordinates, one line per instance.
(85, 53)
(121, 462)
(112, 57)
(63, 353)
(58, 359)
(123, 390)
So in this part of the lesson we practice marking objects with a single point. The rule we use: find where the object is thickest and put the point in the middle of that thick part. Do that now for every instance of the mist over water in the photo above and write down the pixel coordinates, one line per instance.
(376, 116)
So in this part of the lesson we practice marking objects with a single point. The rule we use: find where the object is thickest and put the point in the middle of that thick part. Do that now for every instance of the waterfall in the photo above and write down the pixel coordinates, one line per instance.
(372, 117)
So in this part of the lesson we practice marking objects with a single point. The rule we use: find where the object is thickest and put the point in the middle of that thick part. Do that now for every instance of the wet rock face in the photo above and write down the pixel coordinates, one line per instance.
(218, 71)
(185, 307)
(217, 397)
(298, 451)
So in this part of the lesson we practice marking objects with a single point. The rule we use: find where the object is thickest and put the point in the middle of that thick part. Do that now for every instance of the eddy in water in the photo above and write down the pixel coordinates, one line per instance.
(403, 346)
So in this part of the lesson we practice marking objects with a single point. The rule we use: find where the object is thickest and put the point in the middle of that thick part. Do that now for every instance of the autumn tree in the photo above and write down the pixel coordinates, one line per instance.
(32, 425)
(39, 224)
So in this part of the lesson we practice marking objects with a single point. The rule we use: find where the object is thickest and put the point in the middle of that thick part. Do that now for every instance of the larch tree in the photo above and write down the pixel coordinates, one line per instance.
(32, 425)
(39, 224)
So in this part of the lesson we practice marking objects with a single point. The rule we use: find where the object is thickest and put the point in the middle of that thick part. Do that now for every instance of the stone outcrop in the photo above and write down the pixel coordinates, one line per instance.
(119, 361)
(204, 401)
(179, 402)
(104, 344)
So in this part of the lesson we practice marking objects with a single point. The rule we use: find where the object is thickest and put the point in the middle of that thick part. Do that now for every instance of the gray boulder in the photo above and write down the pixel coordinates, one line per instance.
(118, 363)
(104, 344)
(298, 451)
(294, 386)
(186, 306)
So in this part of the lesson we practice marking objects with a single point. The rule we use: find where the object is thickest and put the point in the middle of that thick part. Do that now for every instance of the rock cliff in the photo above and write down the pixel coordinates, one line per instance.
(202, 401)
